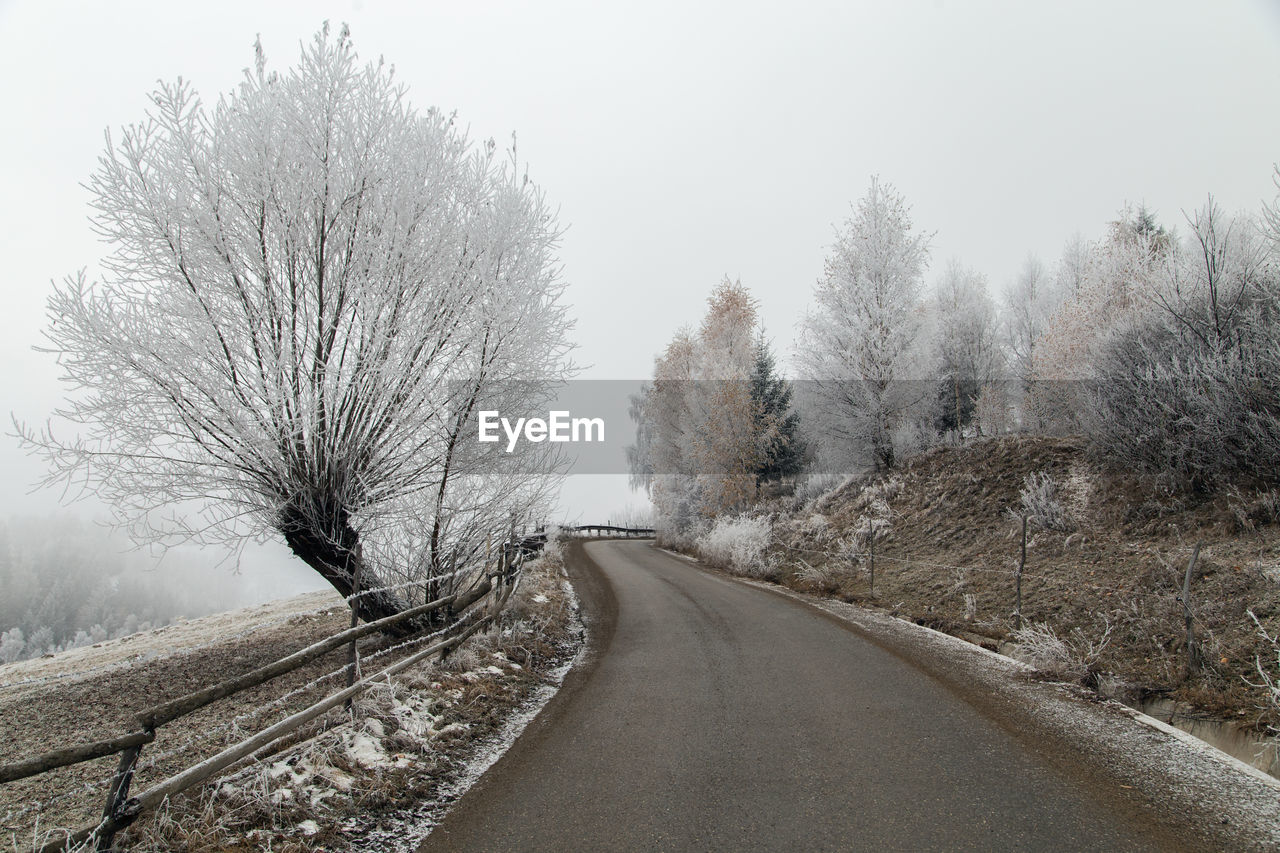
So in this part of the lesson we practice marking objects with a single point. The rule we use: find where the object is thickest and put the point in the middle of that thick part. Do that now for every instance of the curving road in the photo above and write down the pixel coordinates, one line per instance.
(713, 715)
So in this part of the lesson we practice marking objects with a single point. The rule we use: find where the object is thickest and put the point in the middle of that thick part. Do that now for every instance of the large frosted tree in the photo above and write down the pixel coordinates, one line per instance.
(857, 345)
(311, 289)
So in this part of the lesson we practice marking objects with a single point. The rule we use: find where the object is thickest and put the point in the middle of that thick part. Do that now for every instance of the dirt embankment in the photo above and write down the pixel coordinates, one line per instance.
(1107, 582)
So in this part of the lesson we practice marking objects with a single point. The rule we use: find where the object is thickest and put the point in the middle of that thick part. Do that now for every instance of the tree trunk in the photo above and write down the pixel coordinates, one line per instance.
(335, 558)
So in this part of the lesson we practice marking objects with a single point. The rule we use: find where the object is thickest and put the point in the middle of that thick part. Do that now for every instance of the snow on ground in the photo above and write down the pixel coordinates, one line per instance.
(408, 829)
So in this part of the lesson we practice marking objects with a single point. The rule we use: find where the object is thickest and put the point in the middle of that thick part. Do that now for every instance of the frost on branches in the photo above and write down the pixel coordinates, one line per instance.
(715, 424)
(967, 349)
(311, 290)
(858, 345)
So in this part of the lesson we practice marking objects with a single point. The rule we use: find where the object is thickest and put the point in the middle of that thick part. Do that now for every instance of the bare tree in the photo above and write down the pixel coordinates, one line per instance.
(311, 290)
(966, 343)
(1028, 304)
(1217, 278)
(1187, 390)
(857, 344)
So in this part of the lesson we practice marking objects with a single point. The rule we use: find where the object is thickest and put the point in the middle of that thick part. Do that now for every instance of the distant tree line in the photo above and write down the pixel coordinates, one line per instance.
(1159, 344)
(68, 584)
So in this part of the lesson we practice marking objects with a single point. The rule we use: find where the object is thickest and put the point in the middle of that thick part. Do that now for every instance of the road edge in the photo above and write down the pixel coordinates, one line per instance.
(1210, 798)
(598, 610)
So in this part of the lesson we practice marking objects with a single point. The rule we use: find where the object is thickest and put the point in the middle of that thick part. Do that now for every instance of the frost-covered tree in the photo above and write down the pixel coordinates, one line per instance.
(311, 289)
(709, 422)
(1111, 283)
(722, 435)
(1115, 285)
(660, 460)
(966, 343)
(858, 344)
(12, 645)
(1028, 305)
(1189, 388)
(1072, 268)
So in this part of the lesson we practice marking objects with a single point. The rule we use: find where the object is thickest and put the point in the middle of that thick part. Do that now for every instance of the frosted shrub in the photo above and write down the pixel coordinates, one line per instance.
(738, 543)
(1042, 504)
(1073, 657)
(554, 548)
(813, 488)
(823, 576)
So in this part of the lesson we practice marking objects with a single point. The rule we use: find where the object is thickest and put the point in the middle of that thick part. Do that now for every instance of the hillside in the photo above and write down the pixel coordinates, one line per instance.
(329, 784)
(1107, 583)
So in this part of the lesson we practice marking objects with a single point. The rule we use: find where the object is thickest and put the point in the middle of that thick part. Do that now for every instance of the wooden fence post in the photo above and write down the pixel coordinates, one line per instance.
(1185, 598)
(114, 814)
(1022, 564)
(871, 555)
(353, 660)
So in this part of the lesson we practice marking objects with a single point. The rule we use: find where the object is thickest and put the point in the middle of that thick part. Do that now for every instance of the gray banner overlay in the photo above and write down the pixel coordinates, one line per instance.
(578, 412)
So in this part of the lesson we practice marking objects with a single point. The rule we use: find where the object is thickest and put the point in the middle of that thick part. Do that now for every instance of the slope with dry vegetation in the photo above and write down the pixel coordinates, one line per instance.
(1101, 589)
(323, 789)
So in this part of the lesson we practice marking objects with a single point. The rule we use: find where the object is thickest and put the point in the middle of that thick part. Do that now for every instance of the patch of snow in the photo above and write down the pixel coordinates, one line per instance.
(366, 751)
(414, 826)
(452, 729)
(540, 599)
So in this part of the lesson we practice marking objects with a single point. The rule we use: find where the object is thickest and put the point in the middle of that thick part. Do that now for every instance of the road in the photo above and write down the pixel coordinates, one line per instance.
(712, 715)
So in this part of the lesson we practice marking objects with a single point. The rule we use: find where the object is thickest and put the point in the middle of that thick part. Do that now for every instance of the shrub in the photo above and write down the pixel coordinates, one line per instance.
(1074, 657)
(1194, 412)
(738, 543)
(1042, 504)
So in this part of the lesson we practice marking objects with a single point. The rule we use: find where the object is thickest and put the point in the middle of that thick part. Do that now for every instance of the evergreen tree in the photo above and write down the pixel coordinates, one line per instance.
(777, 424)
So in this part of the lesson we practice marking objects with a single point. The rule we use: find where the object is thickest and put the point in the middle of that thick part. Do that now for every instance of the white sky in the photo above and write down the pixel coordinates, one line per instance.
(685, 141)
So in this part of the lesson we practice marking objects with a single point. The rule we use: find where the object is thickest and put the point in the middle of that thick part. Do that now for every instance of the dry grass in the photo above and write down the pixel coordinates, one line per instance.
(946, 549)
(401, 741)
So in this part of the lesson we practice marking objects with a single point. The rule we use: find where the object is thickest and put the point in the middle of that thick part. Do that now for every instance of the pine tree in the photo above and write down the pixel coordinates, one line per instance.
(777, 424)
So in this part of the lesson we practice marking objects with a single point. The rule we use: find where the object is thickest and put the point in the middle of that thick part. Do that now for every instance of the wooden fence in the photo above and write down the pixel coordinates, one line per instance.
(467, 612)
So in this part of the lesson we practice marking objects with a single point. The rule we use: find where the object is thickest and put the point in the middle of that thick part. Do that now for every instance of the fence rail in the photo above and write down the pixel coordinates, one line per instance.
(121, 810)
(606, 529)
(539, 538)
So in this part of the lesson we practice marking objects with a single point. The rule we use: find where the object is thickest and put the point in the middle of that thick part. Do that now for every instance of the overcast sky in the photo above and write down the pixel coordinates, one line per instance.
(688, 141)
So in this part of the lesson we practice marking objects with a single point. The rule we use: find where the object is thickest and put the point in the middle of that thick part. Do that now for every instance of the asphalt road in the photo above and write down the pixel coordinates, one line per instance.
(712, 715)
